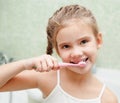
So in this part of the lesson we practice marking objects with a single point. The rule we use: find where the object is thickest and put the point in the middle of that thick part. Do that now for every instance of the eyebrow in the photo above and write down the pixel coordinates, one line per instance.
(81, 38)
(63, 43)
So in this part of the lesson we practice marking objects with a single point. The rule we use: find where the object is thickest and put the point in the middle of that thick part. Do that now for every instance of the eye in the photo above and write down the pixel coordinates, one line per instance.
(65, 46)
(83, 42)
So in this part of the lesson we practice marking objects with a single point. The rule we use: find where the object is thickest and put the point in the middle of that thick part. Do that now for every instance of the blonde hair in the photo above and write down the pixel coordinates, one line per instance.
(55, 23)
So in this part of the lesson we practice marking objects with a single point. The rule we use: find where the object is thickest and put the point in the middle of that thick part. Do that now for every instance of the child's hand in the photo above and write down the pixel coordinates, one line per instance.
(43, 63)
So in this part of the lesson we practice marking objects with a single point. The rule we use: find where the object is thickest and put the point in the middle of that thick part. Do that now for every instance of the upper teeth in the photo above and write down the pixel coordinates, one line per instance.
(82, 60)
(85, 59)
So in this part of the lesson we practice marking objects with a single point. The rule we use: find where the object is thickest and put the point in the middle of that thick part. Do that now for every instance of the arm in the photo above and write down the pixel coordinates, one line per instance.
(21, 74)
(13, 76)
(7, 71)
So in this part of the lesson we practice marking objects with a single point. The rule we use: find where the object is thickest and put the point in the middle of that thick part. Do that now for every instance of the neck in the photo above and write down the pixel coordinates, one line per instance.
(76, 77)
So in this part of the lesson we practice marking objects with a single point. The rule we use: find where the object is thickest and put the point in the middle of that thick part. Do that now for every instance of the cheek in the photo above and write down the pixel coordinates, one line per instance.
(92, 51)
(64, 56)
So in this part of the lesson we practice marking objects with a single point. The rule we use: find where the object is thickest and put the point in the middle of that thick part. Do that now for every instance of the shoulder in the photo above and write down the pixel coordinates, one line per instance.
(109, 96)
(47, 80)
(47, 76)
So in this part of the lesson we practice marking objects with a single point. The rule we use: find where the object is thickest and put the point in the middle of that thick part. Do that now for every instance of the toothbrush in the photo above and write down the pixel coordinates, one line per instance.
(80, 64)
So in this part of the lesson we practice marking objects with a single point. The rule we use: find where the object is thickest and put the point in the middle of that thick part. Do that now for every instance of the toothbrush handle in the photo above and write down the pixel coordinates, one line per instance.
(80, 64)
(68, 65)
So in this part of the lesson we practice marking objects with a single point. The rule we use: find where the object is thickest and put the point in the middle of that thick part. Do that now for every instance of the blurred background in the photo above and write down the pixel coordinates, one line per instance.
(23, 28)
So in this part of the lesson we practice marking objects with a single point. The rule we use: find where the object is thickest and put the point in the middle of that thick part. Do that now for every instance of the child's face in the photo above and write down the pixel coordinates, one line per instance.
(77, 42)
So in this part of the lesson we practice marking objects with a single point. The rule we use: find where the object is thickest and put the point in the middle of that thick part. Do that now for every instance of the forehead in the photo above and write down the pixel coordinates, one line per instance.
(73, 28)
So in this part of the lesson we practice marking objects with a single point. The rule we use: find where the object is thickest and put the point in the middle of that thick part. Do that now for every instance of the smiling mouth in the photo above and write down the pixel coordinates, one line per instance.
(81, 64)
(83, 60)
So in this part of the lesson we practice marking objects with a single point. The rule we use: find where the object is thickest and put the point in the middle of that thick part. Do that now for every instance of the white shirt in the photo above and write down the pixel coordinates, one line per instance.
(58, 95)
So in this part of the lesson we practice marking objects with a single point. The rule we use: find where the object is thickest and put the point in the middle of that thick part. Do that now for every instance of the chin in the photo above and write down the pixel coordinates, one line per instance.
(81, 71)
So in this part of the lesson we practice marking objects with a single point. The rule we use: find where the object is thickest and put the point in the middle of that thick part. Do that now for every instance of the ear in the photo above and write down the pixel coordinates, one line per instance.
(99, 40)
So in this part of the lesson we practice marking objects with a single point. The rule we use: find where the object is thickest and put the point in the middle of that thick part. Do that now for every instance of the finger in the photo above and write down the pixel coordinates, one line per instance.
(55, 62)
(44, 65)
(38, 66)
(50, 64)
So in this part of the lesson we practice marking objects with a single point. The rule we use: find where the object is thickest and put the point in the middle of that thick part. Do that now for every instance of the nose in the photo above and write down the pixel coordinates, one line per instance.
(76, 52)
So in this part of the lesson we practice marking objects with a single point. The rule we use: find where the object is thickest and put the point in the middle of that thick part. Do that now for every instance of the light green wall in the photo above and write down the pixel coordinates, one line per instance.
(23, 27)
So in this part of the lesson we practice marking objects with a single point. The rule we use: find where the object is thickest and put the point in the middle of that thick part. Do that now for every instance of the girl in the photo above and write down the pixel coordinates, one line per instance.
(73, 32)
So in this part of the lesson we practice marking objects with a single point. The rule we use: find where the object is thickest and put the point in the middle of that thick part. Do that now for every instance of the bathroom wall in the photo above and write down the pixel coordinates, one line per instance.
(23, 27)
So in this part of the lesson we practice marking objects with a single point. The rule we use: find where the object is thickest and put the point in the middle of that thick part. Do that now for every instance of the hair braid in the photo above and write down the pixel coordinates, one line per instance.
(50, 45)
